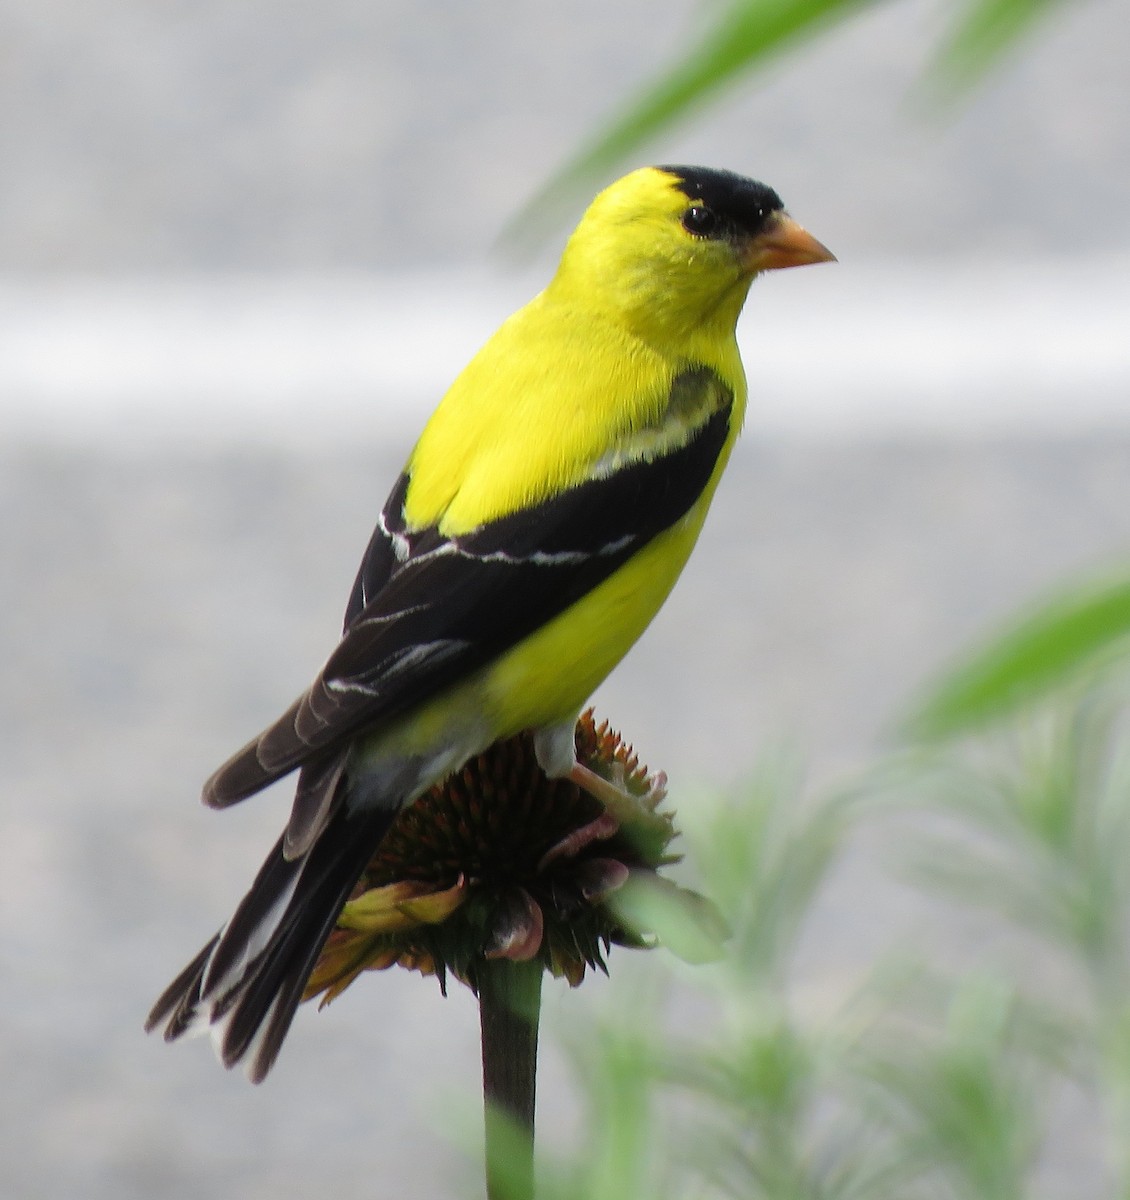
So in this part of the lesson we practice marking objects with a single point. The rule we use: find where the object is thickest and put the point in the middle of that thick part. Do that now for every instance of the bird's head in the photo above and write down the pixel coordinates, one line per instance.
(680, 245)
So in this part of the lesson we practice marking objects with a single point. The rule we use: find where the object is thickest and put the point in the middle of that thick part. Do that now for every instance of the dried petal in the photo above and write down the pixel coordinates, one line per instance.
(399, 906)
(518, 928)
(597, 877)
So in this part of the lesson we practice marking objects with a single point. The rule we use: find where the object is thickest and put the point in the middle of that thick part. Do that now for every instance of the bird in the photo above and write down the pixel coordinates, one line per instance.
(540, 522)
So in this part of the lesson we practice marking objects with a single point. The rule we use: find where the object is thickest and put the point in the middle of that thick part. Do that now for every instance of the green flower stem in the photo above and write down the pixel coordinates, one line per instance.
(509, 1006)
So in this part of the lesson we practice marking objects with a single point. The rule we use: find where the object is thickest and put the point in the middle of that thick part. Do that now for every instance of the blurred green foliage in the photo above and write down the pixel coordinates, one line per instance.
(738, 39)
(1061, 638)
(941, 1069)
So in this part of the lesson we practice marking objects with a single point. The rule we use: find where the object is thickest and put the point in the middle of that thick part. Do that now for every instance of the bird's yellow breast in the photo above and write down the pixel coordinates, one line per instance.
(556, 392)
(546, 679)
(550, 675)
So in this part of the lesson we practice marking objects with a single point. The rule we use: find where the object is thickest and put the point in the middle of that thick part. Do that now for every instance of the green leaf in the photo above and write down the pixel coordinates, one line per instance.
(1056, 642)
(747, 34)
(987, 31)
(683, 921)
(745, 37)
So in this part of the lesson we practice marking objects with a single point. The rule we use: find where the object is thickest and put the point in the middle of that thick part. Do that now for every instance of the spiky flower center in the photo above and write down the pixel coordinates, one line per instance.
(500, 861)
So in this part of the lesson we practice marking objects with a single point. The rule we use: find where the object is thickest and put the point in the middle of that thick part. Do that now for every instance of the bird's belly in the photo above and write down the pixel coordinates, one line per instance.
(547, 678)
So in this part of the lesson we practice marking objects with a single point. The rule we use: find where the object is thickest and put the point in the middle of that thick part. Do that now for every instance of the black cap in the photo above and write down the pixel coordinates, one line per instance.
(737, 201)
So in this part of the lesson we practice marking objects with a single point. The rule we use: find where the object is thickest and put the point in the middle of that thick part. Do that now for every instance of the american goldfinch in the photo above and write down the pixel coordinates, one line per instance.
(540, 522)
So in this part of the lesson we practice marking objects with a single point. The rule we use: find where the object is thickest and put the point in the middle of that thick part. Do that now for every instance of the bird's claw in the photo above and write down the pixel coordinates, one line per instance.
(600, 829)
(656, 789)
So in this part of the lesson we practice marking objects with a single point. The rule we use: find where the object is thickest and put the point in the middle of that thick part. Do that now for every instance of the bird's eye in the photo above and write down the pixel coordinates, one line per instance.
(700, 220)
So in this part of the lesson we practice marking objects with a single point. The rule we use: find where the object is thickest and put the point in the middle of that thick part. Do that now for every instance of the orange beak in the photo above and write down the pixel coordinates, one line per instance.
(783, 243)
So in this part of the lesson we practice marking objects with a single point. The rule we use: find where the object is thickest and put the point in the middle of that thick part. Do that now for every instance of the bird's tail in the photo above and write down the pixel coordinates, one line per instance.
(246, 983)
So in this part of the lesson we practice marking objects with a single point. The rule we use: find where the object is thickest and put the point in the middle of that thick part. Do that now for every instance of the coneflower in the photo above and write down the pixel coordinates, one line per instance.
(495, 877)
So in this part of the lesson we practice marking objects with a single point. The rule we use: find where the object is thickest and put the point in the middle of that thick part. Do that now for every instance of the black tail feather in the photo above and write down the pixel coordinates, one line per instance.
(254, 1002)
(264, 1007)
(276, 876)
(182, 995)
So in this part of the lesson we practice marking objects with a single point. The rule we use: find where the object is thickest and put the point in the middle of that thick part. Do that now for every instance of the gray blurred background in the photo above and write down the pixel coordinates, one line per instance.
(242, 249)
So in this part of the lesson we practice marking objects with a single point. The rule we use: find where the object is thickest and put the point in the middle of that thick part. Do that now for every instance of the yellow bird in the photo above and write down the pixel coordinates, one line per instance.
(540, 522)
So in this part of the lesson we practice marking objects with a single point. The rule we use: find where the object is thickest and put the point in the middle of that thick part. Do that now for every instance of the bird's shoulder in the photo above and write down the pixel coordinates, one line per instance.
(633, 485)
(559, 395)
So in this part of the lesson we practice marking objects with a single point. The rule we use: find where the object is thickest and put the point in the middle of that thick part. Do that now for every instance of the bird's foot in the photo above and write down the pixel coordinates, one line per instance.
(618, 800)
(598, 830)
(620, 804)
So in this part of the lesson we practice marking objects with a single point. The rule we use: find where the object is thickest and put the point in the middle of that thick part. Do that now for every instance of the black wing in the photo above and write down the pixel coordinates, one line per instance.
(427, 610)
(387, 549)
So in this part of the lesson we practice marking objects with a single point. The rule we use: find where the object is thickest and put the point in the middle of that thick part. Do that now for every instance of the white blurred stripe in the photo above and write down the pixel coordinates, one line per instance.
(836, 351)
(967, 349)
(206, 359)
